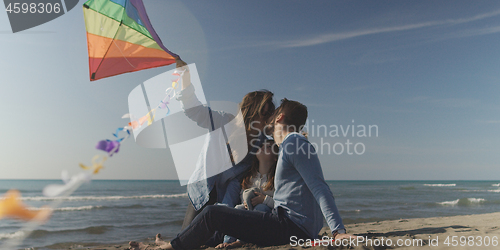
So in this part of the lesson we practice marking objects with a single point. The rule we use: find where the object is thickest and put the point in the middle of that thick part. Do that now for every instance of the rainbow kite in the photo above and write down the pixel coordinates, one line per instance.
(121, 38)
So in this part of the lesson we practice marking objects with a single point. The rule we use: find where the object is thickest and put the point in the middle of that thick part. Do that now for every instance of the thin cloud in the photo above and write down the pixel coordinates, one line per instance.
(328, 38)
(471, 32)
(333, 37)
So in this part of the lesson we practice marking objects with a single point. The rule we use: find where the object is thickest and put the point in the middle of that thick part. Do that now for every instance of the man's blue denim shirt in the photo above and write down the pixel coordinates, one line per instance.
(301, 188)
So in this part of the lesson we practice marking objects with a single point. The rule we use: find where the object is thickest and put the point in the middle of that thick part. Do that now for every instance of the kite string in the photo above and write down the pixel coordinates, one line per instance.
(150, 116)
(121, 52)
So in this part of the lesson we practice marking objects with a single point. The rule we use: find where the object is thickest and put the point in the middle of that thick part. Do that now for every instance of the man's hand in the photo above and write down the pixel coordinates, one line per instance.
(230, 245)
(344, 236)
(258, 199)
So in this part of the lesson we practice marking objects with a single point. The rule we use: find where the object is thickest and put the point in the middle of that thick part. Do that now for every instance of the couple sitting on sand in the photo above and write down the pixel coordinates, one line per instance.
(284, 192)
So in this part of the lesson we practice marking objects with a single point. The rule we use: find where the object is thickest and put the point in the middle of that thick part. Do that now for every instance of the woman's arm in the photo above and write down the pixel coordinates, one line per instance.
(195, 110)
(232, 196)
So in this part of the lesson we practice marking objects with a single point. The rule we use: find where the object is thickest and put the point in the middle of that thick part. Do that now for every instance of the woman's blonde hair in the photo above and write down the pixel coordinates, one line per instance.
(253, 107)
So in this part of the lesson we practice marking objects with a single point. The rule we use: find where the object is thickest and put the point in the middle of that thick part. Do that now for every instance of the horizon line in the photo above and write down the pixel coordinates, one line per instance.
(1, 179)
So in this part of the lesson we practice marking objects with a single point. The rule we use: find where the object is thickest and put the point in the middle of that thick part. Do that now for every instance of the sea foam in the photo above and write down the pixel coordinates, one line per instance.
(463, 201)
(440, 185)
(12, 235)
(70, 208)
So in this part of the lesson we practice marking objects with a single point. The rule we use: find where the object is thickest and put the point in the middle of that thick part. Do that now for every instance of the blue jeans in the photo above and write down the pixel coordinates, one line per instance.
(263, 229)
(260, 207)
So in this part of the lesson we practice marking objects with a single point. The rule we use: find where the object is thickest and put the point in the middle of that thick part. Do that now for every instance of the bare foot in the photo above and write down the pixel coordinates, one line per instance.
(166, 246)
(159, 241)
(137, 246)
(161, 244)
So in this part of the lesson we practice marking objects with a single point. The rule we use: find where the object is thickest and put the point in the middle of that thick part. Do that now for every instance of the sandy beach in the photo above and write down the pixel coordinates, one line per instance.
(481, 231)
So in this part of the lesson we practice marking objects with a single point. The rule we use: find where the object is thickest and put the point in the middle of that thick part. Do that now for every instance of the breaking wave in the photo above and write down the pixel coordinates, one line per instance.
(440, 185)
(463, 202)
(11, 235)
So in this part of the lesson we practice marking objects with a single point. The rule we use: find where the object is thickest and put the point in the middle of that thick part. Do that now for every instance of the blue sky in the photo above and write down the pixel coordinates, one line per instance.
(425, 72)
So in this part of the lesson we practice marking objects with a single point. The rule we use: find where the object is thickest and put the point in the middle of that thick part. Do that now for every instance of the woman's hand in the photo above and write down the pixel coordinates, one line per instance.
(179, 63)
(186, 77)
(258, 199)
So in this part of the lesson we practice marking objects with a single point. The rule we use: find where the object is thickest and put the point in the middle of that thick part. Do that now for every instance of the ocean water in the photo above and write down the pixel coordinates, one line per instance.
(119, 211)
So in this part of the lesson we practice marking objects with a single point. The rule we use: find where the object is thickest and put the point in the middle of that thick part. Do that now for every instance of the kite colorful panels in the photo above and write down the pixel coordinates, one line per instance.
(121, 38)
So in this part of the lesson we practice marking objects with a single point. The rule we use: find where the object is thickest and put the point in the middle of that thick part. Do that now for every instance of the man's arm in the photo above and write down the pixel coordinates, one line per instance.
(307, 164)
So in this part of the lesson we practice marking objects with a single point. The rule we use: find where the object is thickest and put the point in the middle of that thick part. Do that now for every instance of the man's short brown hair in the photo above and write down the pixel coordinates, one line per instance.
(295, 114)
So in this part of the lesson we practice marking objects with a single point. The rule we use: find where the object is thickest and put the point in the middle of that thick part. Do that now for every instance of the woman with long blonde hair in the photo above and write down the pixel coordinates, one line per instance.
(256, 107)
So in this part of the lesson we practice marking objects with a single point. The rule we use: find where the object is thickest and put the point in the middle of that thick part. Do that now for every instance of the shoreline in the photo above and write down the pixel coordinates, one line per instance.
(410, 233)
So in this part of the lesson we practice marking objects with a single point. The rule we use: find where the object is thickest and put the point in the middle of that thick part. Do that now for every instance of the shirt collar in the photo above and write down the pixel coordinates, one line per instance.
(291, 133)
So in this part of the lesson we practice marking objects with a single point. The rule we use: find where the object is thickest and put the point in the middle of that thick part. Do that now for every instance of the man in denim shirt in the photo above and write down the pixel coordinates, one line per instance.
(301, 189)
(302, 196)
